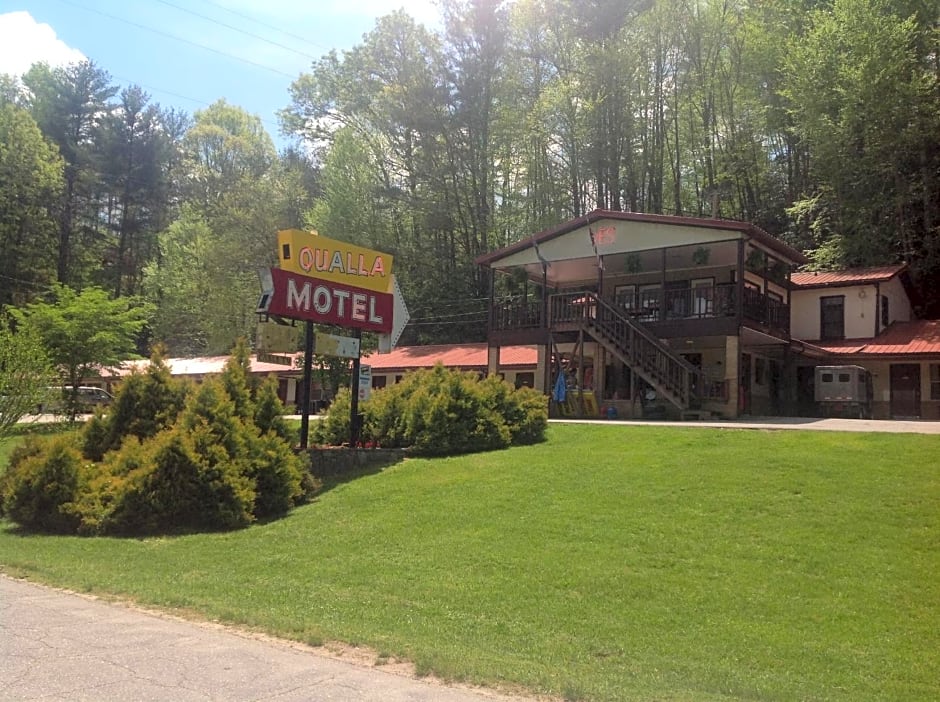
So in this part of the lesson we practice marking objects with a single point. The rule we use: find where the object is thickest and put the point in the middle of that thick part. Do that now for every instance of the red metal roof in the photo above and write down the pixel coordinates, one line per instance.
(849, 276)
(450, 355)
(402, 358)
(753, 231)
(205, 365)
(899, 339)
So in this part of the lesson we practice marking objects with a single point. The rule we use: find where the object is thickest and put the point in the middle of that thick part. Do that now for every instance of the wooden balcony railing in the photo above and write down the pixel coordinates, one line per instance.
(650, 306)
(515, 314)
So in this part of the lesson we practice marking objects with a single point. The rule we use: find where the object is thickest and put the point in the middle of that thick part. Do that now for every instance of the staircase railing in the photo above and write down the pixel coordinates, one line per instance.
(671, 375)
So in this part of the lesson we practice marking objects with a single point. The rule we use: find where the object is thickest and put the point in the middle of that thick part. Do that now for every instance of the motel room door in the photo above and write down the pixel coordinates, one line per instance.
(905, 391)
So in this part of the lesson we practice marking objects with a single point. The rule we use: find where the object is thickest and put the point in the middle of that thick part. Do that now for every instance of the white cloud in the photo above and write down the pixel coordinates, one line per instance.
(24, 41)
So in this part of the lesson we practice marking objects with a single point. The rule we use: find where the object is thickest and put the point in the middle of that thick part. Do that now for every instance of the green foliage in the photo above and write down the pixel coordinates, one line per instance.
(524, 410)
(164, 461)
(30, 177)
(84, 331)
(145, 404)
(236, 379)
(181, 488)
(438, 412)
(280, 477)
(269, 411)
(41, 484)
(25, 373)
(333, 427)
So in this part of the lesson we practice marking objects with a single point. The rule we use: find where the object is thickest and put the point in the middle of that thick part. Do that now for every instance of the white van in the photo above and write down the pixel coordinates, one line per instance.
(88, 399)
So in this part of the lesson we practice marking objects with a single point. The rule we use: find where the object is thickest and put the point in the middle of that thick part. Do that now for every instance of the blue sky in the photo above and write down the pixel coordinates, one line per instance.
(190, 53)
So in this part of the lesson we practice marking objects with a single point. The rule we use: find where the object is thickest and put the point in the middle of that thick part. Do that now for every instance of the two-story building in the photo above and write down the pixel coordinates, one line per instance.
(688, 316)
(681, 317)
(864, 317)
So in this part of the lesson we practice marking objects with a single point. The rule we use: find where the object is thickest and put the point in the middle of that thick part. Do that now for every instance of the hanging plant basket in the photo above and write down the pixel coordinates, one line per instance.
(700, 256)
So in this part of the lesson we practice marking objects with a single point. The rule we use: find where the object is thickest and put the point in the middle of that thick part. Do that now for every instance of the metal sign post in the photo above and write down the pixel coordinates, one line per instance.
(308, 376)
(354, 399)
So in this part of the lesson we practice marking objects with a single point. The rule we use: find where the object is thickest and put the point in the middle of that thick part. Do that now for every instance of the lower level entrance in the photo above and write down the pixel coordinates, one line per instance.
(905, 391)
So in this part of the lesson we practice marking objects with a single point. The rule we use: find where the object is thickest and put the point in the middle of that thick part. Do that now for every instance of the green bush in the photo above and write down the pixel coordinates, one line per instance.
(333, 427)
(269, 411)
(164, 459)
(525, 410)
(180, 489)
(278, 474)
(146, 404)
(41, 484)
(442, 412)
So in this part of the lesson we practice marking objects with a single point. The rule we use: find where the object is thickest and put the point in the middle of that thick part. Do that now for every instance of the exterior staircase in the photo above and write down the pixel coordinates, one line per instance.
(671, 376)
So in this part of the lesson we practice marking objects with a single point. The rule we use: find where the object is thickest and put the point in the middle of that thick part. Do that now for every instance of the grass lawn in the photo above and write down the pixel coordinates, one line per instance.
(610, 563)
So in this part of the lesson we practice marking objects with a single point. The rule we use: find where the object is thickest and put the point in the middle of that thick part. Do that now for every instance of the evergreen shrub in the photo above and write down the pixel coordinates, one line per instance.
(166, 458)
(438, 412)
(41, 483)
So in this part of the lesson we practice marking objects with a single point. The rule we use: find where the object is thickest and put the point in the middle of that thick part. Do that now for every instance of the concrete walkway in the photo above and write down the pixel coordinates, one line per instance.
(56, 645)
(784, 423)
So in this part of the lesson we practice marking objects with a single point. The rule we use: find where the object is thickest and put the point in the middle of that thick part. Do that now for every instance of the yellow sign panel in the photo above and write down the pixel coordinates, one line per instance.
(276, 338)
(307, 253)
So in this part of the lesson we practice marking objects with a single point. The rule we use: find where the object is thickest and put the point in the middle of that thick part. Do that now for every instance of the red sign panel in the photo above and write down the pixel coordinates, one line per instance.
(328, 302)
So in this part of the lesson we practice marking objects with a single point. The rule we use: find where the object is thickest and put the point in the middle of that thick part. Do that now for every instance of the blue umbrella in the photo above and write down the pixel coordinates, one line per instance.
(561, 388)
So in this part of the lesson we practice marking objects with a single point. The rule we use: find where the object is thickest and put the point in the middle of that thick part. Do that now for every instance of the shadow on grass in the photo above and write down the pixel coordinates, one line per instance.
(331, 475)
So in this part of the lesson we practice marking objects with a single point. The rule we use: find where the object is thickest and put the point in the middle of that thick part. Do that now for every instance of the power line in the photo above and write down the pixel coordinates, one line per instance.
(264, 24)
(237, 29)
(176, 38)
(131, 81)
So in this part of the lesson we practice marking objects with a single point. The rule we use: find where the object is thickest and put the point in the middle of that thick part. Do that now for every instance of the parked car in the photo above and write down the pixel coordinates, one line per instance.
(88, 399)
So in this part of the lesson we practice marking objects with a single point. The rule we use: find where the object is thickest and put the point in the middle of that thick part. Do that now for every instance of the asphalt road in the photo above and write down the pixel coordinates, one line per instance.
(56, 645)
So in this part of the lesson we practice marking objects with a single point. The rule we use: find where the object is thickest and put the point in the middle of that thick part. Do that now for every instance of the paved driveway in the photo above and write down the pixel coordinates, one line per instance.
(61, 646)
(784, 423)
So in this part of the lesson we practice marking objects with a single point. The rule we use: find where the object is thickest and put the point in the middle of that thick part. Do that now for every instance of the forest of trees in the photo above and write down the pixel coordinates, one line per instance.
(818, 120)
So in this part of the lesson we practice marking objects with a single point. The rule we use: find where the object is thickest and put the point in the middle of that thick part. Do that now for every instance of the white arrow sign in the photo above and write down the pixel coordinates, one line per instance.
(400, 317)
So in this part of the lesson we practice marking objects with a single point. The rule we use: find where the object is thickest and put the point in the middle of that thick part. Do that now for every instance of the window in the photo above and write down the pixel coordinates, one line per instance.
(885, 311)
(625, 296)
(379, 381)
(525, 380)
(649, 300)
(832, 317)
(935, 381)
(703, 295)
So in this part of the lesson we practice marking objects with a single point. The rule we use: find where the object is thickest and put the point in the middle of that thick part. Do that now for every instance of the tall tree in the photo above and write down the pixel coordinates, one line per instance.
(236, 196)
(70, 104)
(865, 102)
(135, 149)
(30, 178)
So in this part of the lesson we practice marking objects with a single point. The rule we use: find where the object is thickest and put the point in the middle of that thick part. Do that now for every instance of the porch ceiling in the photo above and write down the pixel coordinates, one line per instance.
(583, 269)
(622, 233)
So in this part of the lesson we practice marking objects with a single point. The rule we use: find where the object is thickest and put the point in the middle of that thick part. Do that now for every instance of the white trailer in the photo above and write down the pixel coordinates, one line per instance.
(844, 391)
